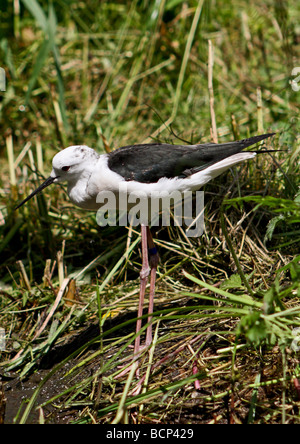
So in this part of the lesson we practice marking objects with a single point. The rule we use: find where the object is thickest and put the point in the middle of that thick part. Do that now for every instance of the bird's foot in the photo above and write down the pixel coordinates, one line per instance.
(135, 362)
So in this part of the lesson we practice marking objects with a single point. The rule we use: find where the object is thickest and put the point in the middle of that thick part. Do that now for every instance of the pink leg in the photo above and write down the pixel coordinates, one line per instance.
(154, 259)
(147, 242)
(144, 278)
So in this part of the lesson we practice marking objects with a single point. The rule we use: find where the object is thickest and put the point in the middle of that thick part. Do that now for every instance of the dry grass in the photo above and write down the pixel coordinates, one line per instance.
(227, 303)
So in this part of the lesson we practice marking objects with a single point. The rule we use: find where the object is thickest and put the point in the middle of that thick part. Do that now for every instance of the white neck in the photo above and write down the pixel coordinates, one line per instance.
(77, 191)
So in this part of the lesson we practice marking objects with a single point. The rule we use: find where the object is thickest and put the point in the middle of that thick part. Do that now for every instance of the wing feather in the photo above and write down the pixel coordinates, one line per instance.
(147, 163)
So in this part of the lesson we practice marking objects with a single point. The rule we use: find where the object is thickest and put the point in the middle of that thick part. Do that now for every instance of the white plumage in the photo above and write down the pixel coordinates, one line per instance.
(146, 169)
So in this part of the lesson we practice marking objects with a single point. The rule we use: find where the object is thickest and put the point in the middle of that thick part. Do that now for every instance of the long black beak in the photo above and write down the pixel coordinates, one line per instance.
(45, 184)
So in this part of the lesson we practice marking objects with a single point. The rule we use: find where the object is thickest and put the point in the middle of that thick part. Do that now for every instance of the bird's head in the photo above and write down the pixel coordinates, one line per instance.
(68, 165)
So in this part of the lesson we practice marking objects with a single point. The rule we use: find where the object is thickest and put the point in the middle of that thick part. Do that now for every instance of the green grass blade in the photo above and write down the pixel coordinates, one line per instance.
(35, 9)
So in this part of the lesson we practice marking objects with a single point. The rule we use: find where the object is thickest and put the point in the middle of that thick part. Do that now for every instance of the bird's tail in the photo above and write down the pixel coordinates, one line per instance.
(244, 143)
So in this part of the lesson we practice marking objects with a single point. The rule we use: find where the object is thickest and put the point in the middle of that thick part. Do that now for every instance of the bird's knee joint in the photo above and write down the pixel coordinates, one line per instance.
(153, 257)
(154, 261)
(144, 273)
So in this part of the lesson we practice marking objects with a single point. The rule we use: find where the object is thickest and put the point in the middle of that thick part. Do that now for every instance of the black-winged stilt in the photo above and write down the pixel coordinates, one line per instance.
(148, 168)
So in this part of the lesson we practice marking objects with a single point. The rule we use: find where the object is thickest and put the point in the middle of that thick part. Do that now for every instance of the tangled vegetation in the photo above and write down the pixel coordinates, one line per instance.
(227, 313)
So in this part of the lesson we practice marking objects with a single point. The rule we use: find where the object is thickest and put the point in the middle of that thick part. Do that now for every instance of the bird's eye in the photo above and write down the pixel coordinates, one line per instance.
(66, 168)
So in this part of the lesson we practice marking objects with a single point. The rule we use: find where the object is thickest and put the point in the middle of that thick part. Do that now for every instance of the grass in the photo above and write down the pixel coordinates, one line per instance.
(225, 348)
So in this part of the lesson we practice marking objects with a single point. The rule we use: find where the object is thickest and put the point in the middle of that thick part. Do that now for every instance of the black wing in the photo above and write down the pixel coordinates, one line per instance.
(150, 162)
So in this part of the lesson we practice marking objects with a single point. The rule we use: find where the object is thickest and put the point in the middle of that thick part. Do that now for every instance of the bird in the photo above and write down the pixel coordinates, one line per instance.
(148, 168)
